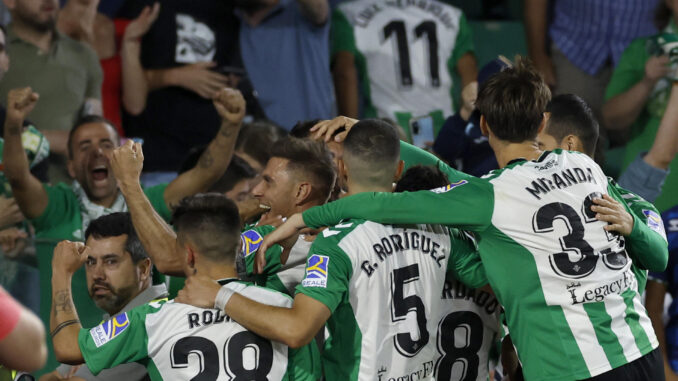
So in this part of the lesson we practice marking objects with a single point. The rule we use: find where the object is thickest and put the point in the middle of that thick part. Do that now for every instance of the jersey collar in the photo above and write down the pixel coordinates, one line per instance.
(227, 280)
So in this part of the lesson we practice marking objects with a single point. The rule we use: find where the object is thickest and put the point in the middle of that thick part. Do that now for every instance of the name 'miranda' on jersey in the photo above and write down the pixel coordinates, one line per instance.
(560, 180)
(406, 240)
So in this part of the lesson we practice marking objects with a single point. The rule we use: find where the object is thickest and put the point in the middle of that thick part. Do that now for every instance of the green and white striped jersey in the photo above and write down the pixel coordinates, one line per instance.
(468, 330)
(180, 342)
(405, 53)
(567, 286)
(382, 284)
(275, 276)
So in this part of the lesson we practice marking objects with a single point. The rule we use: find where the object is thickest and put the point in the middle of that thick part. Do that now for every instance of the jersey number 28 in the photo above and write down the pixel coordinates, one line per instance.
(234, 362)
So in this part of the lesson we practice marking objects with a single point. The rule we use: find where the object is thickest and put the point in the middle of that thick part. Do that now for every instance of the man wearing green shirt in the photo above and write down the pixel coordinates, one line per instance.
(376, 286)
(564, 279)
(62, 212)
(175, 341)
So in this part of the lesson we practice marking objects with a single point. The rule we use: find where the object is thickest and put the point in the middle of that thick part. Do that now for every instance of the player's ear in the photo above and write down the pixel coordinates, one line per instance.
(399, 171)
(303, 192)
(190, 257)
(484, 128)
(144, 267)
(572, 143)
(342, 171)
(544, 120)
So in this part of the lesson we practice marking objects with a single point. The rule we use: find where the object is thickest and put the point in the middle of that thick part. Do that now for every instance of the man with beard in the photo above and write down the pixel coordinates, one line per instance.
(118, 279)
(62, 212)
(64, 71)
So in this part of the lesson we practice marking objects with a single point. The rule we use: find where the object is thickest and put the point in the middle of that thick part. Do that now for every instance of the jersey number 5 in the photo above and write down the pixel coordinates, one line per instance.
(234, 351)
(407, 343)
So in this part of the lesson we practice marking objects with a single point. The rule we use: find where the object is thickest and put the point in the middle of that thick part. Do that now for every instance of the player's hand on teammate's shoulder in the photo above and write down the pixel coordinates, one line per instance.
(69, 256)
(325, 130)
(230, 105)
(611, 211)
(283, 233)
(199, 290)
(127, 162)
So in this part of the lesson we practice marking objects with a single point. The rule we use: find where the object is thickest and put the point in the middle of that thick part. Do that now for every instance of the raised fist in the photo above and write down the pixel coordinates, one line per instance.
(20, 102)
(230, 105)
(69, 256)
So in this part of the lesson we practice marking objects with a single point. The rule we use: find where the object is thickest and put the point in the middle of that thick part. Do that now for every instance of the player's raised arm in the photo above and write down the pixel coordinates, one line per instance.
(155, 234)
(28, 191)
(64, 321)
(212, 164)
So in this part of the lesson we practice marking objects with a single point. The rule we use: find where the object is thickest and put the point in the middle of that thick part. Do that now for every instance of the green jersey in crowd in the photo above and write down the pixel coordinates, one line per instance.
(567, 285)
(405, 53)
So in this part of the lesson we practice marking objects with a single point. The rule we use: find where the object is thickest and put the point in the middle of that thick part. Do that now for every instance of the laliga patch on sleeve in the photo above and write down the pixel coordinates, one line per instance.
(109, 330)
(316, 271)
(449, 187)
(251, 240)
(654, 222)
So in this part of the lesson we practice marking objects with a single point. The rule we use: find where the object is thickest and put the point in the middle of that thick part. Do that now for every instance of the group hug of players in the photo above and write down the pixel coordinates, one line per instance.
(406, 285)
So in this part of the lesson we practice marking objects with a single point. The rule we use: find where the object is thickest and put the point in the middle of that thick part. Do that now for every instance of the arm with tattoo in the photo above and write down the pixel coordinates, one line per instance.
(213, 163)
(64, 322)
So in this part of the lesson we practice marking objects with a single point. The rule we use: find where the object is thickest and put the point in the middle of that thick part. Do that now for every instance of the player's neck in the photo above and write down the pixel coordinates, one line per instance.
(217, 271)
(506, 152)
(354, 188)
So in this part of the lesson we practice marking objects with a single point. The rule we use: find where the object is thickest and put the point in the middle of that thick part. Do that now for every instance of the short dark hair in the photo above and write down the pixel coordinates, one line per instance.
(115, 225)
(513, 102)
(570, 115)
(257, 138)
(212, 222)
(303, 128)
(310, 157)
(238, 169)
(86, 120)
(421, 177)
(371, 149)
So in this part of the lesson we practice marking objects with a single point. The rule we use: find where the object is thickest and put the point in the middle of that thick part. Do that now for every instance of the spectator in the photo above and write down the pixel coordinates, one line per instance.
(22, 336)
(659, 284)
(639, 95)
(118, 279)
(77, 18)
(460, 141)
(19, 278)
(64, 71)
(587, 39)
(293, 35)
(402, 77)
(255, 142)
(170, 75)
(60, 211)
